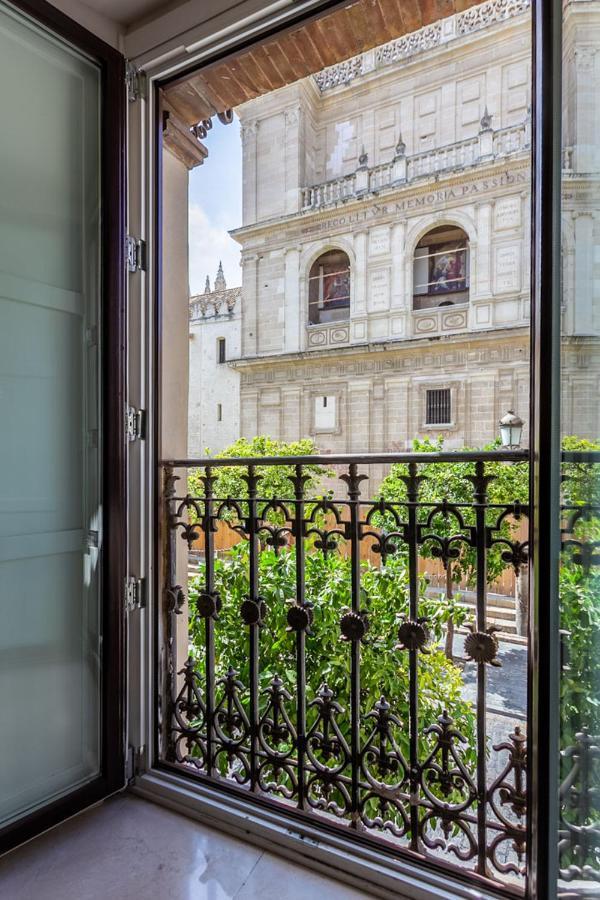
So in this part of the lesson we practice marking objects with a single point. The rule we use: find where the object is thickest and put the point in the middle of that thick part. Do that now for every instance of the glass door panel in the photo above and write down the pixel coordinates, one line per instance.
(50, 438)
(579, 574)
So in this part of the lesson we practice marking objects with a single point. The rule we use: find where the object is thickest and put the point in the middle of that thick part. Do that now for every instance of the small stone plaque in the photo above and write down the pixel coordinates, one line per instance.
(379, 241)
(379, 289)
(507, 268)
(507, 213)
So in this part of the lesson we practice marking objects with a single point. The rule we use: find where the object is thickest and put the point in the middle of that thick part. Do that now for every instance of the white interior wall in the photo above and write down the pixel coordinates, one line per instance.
(177, 29)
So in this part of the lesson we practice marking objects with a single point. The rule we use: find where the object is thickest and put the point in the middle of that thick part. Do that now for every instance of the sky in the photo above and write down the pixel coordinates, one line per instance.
(215, 206)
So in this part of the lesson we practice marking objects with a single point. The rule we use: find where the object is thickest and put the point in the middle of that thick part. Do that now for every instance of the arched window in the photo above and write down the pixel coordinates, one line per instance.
(441, 268)
(329, 288)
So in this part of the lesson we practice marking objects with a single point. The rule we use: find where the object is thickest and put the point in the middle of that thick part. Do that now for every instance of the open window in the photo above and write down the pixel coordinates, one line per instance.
(441, 268)
(329, 288)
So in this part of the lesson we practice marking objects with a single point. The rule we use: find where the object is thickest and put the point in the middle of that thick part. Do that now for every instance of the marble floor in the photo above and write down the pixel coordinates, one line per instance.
(127, 849)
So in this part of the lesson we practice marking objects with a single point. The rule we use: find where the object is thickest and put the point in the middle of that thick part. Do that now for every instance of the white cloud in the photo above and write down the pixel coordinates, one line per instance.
(209, 242)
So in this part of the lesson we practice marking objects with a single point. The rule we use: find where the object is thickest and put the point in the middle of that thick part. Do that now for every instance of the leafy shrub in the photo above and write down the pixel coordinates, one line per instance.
(450, 481)
(384, 669)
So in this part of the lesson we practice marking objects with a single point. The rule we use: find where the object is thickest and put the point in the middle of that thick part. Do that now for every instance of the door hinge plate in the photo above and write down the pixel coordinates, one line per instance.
(135, 423)
(135, 762)
(135, 593)
(135, 254)
(135, 81)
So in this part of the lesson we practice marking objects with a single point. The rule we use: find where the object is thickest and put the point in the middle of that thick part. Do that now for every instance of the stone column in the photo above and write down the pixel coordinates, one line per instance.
(250, 264)
(249, 403)
(583, 298)
(250, 170)
(291, 413)
(357, 426)
(292, 325)
(398, 265)
(294, 158)
(586, 88)
(359, 299)
(396, 414)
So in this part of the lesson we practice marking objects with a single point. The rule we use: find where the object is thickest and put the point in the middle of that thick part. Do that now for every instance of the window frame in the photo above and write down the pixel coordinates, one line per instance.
(445, 297)
(362, 868)
(334, 305)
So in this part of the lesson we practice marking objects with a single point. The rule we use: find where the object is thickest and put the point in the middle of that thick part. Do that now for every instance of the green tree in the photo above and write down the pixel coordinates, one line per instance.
(450, 482)
(274, 483)
(384, 666)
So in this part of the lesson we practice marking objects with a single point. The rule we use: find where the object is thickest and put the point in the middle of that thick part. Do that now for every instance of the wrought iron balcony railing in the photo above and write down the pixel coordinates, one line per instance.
(295, 672)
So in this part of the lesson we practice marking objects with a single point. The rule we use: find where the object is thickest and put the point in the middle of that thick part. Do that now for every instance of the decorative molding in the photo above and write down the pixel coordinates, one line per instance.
(327, 335)
(427, 38)
(216, 303)
(489, 13)
(409, 361)
(504, 143)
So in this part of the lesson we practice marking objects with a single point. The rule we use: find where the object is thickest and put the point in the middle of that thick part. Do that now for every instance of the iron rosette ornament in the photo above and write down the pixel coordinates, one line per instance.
(482, 646)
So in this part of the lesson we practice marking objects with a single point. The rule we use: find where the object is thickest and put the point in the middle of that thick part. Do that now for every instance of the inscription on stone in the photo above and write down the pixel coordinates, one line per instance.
(379, 289)
(507, 268)
(379, 241)
(507, 213)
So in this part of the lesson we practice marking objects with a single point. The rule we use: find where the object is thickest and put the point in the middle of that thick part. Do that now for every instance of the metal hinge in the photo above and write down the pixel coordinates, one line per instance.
(135, 81)
(135, 254)
(135, 424)
(135, 593)
(135, 763)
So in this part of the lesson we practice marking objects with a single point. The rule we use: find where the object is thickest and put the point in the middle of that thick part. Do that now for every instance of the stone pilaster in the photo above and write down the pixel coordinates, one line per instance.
(292, 306)
(359, 298)
(250, 325)
(399, 298)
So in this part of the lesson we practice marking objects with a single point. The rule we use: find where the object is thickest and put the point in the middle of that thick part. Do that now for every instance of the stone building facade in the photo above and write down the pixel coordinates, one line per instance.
(386, 232)
(214, 393)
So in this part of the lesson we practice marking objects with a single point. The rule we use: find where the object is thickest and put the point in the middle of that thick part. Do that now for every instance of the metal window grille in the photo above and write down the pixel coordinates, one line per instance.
(438, 407)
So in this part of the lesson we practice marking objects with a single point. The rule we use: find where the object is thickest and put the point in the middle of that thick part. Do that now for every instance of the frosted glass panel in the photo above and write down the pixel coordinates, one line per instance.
(50, 514)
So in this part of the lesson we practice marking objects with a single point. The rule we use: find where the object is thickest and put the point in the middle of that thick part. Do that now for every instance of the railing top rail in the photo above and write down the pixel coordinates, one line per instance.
(349, 458)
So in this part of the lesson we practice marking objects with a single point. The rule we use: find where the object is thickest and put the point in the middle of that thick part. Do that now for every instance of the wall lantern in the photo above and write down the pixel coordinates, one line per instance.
(511, 428)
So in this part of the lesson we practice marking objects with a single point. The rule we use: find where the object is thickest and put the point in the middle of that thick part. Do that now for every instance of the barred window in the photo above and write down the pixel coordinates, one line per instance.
(221, 350)
(438, 407)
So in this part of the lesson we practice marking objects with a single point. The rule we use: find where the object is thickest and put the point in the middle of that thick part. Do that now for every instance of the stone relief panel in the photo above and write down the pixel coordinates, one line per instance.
(342, 148)
(507, 213)
(385, 129)
(507, 268)
(426, 118)
(319, 336)
(379, 241)
(470, 94)
(515, 92)
(378, 291)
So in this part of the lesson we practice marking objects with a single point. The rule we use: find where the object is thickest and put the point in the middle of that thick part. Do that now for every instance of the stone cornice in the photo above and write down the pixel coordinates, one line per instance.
(387, 347)
(492, 174)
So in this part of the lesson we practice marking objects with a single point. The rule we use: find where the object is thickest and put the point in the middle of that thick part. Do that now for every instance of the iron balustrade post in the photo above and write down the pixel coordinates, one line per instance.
(253, 620)
(209, 585)
(425, 796)
(480, 482)
(356, 624)
(300, 628)
(412, 496)
(171, 604)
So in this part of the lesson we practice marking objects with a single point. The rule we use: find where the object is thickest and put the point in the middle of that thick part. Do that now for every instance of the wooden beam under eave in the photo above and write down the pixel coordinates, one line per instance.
(179, 140)
(300, 51)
